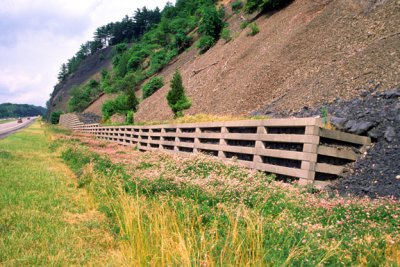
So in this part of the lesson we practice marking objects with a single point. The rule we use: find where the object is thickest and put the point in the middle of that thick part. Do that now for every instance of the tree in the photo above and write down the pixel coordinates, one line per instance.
(211, 23)
(176, 97)
(55, 117)
(133, 102)
(63, 72)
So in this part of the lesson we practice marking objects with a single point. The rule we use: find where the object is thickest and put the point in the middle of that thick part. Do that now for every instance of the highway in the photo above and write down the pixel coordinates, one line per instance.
(12, 127)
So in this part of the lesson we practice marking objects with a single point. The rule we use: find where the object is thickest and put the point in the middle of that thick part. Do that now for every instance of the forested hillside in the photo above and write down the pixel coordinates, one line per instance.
(8, 110)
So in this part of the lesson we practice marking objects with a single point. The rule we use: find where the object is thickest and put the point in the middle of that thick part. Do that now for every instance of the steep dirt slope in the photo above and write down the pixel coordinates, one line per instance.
(95, 106)
(89, 68)
(308, 53)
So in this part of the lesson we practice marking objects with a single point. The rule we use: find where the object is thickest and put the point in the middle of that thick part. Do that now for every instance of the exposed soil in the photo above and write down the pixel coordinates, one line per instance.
(377, 115)
(311, 52)
(95, 106)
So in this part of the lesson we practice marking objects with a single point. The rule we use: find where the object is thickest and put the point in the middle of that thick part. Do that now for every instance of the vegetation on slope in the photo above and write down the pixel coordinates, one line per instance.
(177, 99)
(208, 213)
(45, 220)
(8, 110)
(146, 42)
(158, 36)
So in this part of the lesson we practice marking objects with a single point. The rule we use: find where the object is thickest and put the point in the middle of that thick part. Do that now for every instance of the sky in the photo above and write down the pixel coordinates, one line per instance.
(37, 36)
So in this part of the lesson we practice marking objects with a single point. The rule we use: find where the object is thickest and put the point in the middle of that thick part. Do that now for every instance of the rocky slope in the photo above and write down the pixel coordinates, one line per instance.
(89, 68)
(311, 52)
(374, 114)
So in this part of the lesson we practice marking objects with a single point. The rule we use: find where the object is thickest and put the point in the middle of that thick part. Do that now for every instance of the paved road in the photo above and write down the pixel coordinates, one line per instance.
(12, 127)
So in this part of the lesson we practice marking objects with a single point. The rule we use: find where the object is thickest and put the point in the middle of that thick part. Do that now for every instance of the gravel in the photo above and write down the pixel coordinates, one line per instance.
(375, 114)
(89, 118)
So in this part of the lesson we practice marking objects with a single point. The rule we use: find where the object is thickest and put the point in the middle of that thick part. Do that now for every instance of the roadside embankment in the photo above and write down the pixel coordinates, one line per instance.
(173, 210)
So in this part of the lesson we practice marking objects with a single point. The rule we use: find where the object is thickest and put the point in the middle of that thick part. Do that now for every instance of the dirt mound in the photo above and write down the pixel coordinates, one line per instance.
(306, 54)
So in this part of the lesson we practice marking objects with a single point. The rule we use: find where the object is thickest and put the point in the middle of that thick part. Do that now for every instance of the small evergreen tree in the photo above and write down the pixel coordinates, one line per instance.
(176, 97)
(133, 102)
(129, 118)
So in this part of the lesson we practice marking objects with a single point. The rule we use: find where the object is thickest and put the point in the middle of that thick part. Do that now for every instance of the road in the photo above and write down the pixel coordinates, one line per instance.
(11, 127)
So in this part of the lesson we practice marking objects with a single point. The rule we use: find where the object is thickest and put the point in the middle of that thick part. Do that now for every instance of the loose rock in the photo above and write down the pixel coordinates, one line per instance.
(373, 114)
(390, 134)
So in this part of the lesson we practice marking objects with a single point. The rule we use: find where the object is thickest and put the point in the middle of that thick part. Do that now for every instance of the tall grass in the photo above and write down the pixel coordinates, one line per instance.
(195, 212)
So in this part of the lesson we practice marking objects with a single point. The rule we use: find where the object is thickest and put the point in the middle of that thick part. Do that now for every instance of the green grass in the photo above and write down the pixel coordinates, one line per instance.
(6, 120)
(45, 220)
(194, 211)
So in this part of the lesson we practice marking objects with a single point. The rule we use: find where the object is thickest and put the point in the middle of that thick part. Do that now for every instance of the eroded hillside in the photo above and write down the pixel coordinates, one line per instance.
(90, 68)
(308, 53)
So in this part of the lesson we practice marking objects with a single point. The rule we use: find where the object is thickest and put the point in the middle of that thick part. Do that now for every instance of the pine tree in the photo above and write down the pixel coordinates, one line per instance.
(176, 97)
(133, 102)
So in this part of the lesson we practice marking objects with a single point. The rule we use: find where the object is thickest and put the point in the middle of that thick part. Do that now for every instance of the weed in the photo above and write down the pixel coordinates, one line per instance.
(226, 34)
(5, 155)
(244, 24)
(237, 6)
(253, 29)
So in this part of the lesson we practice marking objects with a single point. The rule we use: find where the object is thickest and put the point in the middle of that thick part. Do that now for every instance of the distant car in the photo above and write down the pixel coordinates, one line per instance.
(28, 118)
(19, 120)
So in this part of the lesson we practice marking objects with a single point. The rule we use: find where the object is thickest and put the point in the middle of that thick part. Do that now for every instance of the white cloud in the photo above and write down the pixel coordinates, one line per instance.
(37, 36)
(15, 81)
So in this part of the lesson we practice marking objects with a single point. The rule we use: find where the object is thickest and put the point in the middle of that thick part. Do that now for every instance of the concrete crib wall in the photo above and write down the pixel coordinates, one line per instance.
(298, 148)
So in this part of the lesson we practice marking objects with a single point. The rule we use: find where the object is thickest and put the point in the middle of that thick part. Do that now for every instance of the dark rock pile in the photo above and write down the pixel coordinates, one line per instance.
(89, 118)
(375, 114)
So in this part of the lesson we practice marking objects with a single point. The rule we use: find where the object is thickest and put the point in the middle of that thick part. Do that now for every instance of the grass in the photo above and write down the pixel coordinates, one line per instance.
(173, 211)
(6, 120)
(198, 118)
(45, 220)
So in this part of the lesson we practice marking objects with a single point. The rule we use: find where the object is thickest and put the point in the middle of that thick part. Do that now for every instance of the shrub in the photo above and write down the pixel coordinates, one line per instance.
(119, 105)
(253, 29)
(129, 117)
(176, 97)
(55, 117)
(205, 43)
(120, 64)
(121, 48)
(264, 5)
(210, 27)
(237, 5)
(133, 102)
(226, 34)
(243, 25)
(211, 22)
(82, 96)
(134, 62)
(152, 86)
(182, 41)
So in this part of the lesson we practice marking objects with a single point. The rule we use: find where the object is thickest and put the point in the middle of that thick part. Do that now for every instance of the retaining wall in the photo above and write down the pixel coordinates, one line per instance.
(295, 148)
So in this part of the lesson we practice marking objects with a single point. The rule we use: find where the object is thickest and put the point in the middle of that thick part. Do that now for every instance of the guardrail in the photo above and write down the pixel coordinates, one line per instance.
(295, 148)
